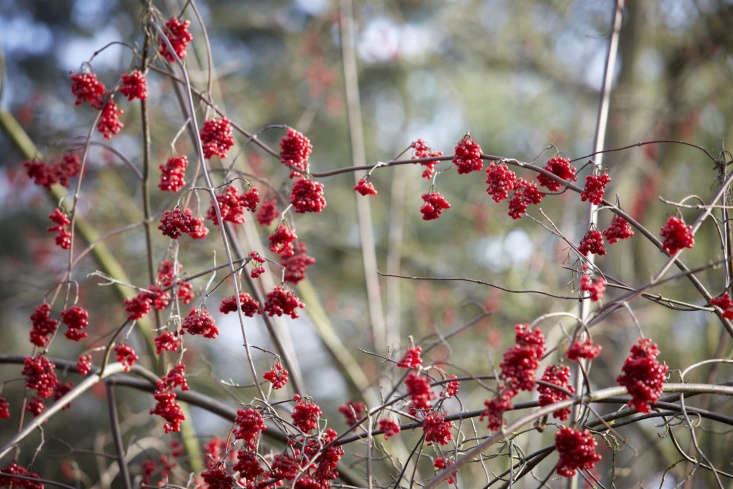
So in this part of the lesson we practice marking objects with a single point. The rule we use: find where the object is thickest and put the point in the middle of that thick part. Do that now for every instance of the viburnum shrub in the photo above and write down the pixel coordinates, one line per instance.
(161, 314)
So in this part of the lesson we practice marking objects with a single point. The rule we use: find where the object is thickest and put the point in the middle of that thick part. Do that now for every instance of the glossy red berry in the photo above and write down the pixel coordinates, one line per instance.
(558, 166)
(281, 241)
(577, 450)
(126, 355)
(278, 376)
(76, 319)
(166, 341)
(499, 181)
(305, 414)
(295, 149)
(525, 193)
(281, 301)
(496, 407)
(520, 362)
(307, 196)
(4, 408)
(62, 222)
(437, 429)
(179, 37)
(677, 235)
(592, 243)
(642, 375)
(173, 174)
(249, 305)
(295, 266)
(352, 411)
(365, 187)
(40, 375)
(558, 375)
(423, 151)
(133, 85)
(249, 425)
(267, 212)
(418, 388)
(109, 122)
(199, 322)
(724, 302)
(84, 365)
(586, 349)
(412, 358)
(596, 288)
(87, 88)
(216, 137)
(618, 229)
(467, 156)
(42, 325)
(389, 427)
(434, 205)
(595, 186)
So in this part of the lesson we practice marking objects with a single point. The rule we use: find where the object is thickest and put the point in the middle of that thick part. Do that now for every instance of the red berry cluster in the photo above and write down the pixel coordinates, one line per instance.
(467, 155)
(440, 463)
(84, 365)
(278, 376)
(520, 361)
(76, 319)
(525, 193)
(173, 174)
(282, 301)
(305, 414)
(577, 450)
(423, 151)
(724, 302)
(618, 229)
(586, 349)
(62, 222)
(412, 358)
(40, 375)
(267, 212)
(558, 375)
(499, 181)
(199, 321)
(592, 243)
(232, 205)
(216, 137)
(249, 425)
(643, 376)
(437, 429)
(87, 88)
(595, 186)
(434, 205)
(677, 235)
(35, 406)
(140, 305)
(248, 304)
(418, 388)
(43, 327)
(352, 411)
(259, 260)
(166, 341)
(15, 483)
(495, 408)
(179, 37)
(307, 196)
(126, 355)
(109, 123)
(133, 85)
(365, 187)
(596, 287)
(177, 222)
(295, 149)
(60, 172)
(557, 166)
(166, 406)
(451, 387)
(281, 241)
(295, 266)
(4, 408)
(389, 427)
(248, 466)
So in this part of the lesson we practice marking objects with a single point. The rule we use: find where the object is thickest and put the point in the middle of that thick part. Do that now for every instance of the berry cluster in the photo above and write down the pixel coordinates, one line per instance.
(365, 187)
(258, 269)
(437, 429)
(281, 301)
(87, 88)
(389, 427)
(216, 137)
(177, 222)
(495, 408)
(281, 241)
(126, 355)
(295, 266)
(109, 123)
(278, 376)
(199, 321)
(451, 387)
(423, 151)
(60, 172)
(295, 149)
(724, 302)
(592, 243)
(412, 358)
(643, 376)
(434, 205)
(267, 212)
(467, 155)
(84, 365)
(4, 408)
(352, 411)
(618, 229)
(179, 37)
(133, 85)
(307, 196)
(40, 375)
(173, 174)
(558, 375)
(499, 181)
(15, 483)
(525, 193)
(595, 186)
(42, 326)
(76, 319)
(596, 287)
(248, 304)
(557, 166)
(61, 228)
(418, 388)
(249, 425)
(166, 341)
(586, 349)
(166, 406)
(677, 235)
(232, 205)
(577, 450)
(305, 414)
(520, 361)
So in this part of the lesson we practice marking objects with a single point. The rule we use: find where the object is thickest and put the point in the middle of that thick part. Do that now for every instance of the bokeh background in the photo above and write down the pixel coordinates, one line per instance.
(519, 75)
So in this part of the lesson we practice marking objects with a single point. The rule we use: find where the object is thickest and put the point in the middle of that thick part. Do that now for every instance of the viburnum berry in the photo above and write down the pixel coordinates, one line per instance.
(437, 429)
(159, 297)
(525, 193)
(307, 196)
(179, 37)
(677, 235)
(216, 137)
(76, 319)
(166, 341)
(495, 408)
(63, 238)
(499, 181)
(42, 326)
(4, 408)
(133, 85)
(418, 388)
(451, 387)
(278, 376)
(558, 375)
(284, 466)
(467, 155)
(577, 450)
(249, 426)
(166, 275)
(60, 391)
(423, 151)
(365, 187)
(35, 406)
(138, 306)
(232, 205)
(40, 375)
(305, 414)
(586, 349)
(595, 186)
(596, 287)
(173, 174)
(281, 241)
(352, 411)
(282, 301)
(199, 321)
(592, 243)
(249, 305)
(558, 166)
(724, 302)
(389, 427)
(60, 172)
(295, 149)
(177, 222)
(434, 205)
(520, 362)
(109, 122)
(267, 212)
(126, 355)
(440, 463)
(643, 376)
(87, 88)
(412, 358)
(185, 292)
(84, 365)
(218, 478)
(618, 229)
(248, 466)
(295, 266)
(166, 405)
(15, 483)
(258, 270)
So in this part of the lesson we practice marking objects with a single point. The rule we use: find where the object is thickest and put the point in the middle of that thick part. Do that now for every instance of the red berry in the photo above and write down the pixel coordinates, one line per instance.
(352, 411)
(76, 319)
(249, 305)
(525, 193)
(577, 450)
(423, 151)
(281, 241)
(307, 196)
(173, 174)
(133, 85)
(87, 88)
(305, 414)
(437, 429)
(595, 186)
(295, 149)
(586, 349)
(618, 230)
(435, 203)
(520, 362)
(278, 376)
(282, 301)
(84, 365)
(109, 122)
(199, 321)
(596, 287)
(43, 327)
(63, 237)
(249, 426)
(724, 302)
(295, 265)
(4, 408)
(560, 167)
(365, 187)
(495, 408)
(126, 355)
(677, 235)
(643, 376)
(467, 157)
(232, 205)
(499, 181)
(389, 427)
(216, 137)
(560, 376)
(267, 212)
(179, 37)
(412, 358)
(418, 388)
(592, 242)
(166, 341)
(40, 375)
